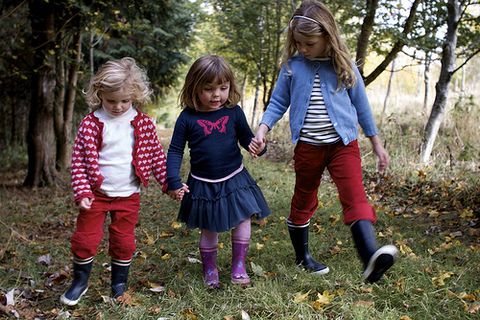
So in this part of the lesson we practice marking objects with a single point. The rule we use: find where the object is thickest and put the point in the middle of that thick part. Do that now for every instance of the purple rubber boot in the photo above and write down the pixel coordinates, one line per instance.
(210, 272)
(239, 252)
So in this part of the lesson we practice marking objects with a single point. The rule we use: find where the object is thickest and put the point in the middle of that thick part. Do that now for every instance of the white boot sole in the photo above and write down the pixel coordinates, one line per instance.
(69, 302)
(388, 249)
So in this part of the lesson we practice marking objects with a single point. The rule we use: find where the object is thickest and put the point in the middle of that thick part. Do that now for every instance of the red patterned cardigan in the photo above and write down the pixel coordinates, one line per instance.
(147, 154)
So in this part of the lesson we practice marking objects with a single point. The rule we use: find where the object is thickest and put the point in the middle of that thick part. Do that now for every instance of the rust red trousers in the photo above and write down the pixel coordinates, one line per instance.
(89, 233)
(344, 165)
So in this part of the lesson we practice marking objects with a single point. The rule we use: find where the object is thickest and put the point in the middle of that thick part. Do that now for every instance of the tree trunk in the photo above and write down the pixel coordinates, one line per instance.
(443, 84)
(426, 80)
(64, 114)
(387, 96)
(40, 136)
(364, 37)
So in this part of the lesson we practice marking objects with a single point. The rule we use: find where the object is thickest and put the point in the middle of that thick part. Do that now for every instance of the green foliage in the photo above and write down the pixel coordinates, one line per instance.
(155, 33)
(252, 34)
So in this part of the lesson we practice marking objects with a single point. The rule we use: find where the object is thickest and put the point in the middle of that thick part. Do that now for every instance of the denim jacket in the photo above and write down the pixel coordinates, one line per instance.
(347, 107)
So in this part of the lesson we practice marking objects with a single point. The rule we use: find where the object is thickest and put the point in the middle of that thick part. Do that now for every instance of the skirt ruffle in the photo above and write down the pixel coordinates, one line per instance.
(221, 206)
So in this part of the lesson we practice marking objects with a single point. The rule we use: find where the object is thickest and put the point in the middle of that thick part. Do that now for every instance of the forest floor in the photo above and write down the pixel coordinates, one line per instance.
(433, 220)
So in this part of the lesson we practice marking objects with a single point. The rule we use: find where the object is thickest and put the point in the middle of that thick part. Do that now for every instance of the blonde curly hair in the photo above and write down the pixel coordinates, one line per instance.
(117, 75)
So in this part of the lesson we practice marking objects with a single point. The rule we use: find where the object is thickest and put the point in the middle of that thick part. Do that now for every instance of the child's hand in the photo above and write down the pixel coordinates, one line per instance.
(179, 193)
(182, 192)
(256, 146)
(382, 154)
(85, 204)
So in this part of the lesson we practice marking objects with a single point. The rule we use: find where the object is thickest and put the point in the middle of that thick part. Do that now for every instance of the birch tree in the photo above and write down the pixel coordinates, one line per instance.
(454, 9)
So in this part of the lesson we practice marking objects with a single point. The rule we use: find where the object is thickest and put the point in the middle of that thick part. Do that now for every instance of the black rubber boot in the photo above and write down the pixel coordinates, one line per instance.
(376, 261)
(299, 237)
(81, 273)
(119, 277)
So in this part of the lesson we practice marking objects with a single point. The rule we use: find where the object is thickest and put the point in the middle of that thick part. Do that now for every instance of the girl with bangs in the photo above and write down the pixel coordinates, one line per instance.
(222, 194)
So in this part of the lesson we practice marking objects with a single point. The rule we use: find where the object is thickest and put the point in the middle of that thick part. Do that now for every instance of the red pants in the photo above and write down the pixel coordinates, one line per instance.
(344, 164)
(89, 232)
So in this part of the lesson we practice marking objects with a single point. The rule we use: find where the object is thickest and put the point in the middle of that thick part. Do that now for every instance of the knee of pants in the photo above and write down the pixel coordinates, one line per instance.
(302, 216)
(122, 247)
(359, 212)
(85, 245)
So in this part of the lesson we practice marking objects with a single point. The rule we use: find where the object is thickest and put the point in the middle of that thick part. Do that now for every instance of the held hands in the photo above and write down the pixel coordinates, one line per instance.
(256, 146)
(258, 143)
(179, 193)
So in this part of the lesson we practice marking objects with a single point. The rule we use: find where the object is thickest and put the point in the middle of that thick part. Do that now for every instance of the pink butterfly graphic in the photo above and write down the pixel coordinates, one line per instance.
(208, 126)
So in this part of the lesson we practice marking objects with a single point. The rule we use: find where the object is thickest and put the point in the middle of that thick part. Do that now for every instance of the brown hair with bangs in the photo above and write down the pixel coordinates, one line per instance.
(208, 69)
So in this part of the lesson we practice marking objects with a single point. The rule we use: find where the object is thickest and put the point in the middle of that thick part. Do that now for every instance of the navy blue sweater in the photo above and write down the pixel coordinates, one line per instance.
(213, 139)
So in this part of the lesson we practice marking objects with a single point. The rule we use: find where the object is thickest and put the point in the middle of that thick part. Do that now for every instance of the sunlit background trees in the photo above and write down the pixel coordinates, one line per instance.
(418, 58)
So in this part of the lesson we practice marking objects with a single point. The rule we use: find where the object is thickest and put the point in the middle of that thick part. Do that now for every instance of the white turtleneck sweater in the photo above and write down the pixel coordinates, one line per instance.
(115, 155)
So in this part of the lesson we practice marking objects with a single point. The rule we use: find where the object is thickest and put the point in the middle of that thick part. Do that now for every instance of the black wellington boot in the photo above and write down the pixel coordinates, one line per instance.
(299, 237)
(119, 277)
(376, 261)
(81, 273)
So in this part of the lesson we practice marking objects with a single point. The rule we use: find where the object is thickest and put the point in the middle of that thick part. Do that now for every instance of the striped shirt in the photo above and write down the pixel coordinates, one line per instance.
(317, 127)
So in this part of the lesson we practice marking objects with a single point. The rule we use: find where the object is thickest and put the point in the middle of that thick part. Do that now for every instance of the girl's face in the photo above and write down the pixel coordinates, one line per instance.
(213, 95)
(311, 47)
(116, 103)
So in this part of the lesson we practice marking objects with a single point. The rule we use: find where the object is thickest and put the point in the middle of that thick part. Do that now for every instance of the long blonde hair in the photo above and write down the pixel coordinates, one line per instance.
(323, 25)
(117, 75)
(206, 70)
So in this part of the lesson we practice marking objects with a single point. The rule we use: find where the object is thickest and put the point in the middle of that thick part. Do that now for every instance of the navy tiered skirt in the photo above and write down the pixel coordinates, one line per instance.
(221, 206)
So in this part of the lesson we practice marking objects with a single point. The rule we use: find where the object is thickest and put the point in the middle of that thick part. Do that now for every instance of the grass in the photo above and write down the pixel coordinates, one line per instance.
(429, 212)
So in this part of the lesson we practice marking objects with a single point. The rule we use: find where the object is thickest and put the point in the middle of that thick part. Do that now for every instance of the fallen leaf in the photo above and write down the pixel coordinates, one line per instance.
(473, 232)
(364, 303)
(473, 308)
(325, 298)
(301, 297)
(149, 241)
(405, 249)
(260, 246)
(166, 256)
(108, 300)
(262, 222)
(193, 260)
(9, 297)
(155, 310)
(45, 259)
(127, 300)
(158, 289)
(176, 225)
(258, 270)
(366, 290)
(335, 250)
(439, 281)
(188, 314)
(245, 315)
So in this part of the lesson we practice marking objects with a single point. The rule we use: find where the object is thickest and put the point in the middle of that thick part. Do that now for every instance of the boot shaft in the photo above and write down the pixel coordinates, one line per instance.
(82, 269)
(364, 237)
(120, 269)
